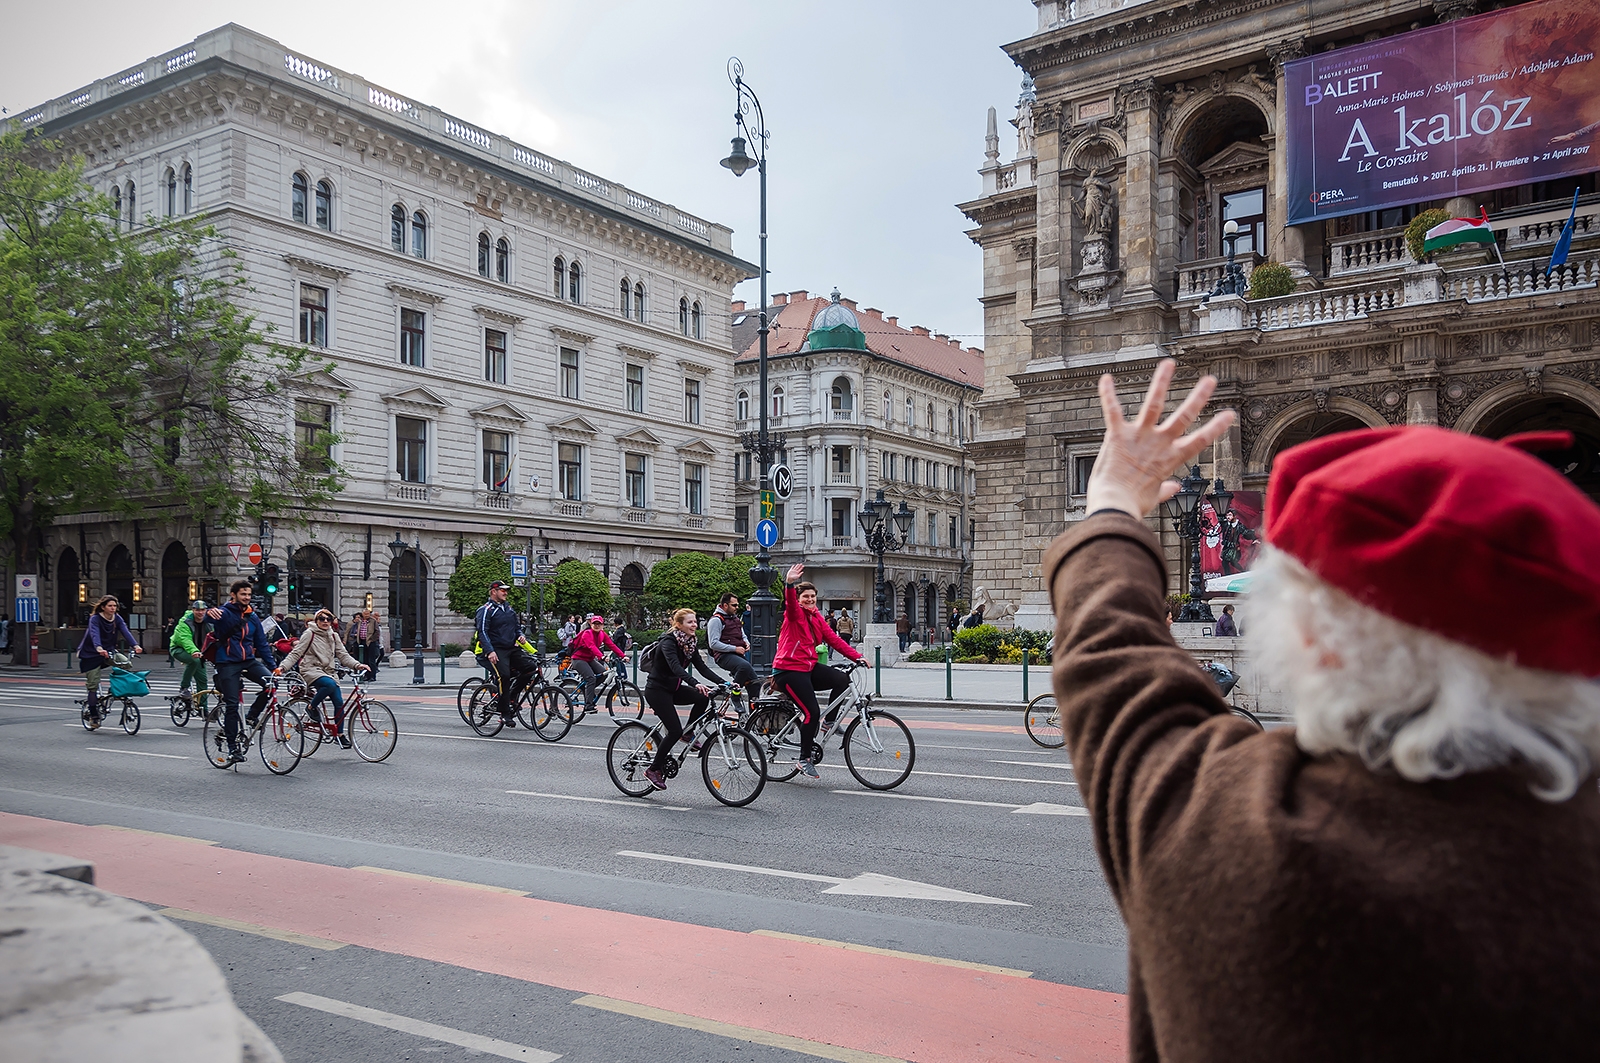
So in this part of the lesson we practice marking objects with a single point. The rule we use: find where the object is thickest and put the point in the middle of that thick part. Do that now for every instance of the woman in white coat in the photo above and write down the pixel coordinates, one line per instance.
(317, 653)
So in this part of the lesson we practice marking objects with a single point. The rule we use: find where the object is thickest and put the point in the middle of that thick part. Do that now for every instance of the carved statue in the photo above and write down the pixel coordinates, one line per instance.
(992, 610)
(1024, 124)
(1097, 208)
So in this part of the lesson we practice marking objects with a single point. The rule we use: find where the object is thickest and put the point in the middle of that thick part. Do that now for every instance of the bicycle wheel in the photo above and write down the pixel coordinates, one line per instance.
(178, 707)
(1247, 714)
(313, 731)
(130, 716)
(482, 713)
(781, 755)
(572, 687)
(882, 744)
(1043, 721)
(372, 730)
(214, 742)
(464, 695)
(733, 765)
(294, 684)
(629, 753)
(549, 712)
(89, 722)
(625, 702)
(282, 741)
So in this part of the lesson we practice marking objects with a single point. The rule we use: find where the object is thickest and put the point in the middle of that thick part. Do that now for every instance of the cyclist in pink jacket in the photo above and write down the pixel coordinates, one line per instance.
(796, 670)
(588, 651)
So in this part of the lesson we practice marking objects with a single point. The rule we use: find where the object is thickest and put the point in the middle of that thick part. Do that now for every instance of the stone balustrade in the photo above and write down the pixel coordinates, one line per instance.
(1365, 252)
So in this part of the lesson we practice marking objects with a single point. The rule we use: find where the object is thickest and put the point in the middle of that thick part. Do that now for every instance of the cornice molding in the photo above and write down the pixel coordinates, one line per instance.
(561, 332)
(321, 269)
(406, 291)
(418, 395)
(499, 315)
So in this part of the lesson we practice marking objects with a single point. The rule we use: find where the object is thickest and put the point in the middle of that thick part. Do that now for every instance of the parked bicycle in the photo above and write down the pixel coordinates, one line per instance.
(277, 735)
(122, 687)
(733, 763)
(878, 747)
(369, 724)
(624, 701)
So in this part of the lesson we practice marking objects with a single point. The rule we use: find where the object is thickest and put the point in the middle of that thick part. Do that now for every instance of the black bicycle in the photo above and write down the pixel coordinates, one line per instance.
(878, 748)
(538, 704)
(732, 760)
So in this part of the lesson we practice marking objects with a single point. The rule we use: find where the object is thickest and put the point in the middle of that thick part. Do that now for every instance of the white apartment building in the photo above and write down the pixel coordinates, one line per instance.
(862, 405)
(514, 341)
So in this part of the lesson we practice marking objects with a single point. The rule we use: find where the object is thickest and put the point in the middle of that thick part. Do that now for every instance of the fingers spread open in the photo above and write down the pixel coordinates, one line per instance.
(1205, 435)
(1156, 397)
(1191, 406)
(1110, 405)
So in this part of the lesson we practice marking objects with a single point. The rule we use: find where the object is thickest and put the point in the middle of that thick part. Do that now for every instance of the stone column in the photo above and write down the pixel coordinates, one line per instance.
(1290, 247)
(1054, 260)
(1136, 253)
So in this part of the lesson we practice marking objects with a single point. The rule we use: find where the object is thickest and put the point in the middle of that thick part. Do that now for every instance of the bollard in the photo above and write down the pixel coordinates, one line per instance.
(877, 671)
(441, 667)
(949, 694)
(1025, 654)
(635, 665)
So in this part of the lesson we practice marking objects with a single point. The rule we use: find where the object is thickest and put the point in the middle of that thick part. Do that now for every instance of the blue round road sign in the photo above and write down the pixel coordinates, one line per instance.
(767, 532)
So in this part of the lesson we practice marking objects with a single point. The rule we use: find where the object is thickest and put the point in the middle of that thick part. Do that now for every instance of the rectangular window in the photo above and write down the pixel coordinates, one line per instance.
(741, 521)
(933, 530)
(569, 373)
(843, 464)
(313, 315)
(1249, 209)
(569, 458)
(313, 427)
(1082, 466)
(494, 356)
(412, 324)
(954, 541)
(411, 449)
(841, 521)
(633, 479)
(634, 387)
(497, 461)
(691, 401)
(894, 466)
(694, 488)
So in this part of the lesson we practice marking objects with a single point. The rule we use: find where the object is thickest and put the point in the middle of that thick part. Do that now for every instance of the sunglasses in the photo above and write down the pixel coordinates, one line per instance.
(324, 619)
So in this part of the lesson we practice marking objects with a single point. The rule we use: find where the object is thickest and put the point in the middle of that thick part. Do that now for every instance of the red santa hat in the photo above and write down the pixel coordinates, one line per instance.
(1465, 537)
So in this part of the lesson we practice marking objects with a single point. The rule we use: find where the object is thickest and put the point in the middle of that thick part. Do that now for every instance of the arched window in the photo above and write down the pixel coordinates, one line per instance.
(888, 409)
(188, 188)
(397, 228)
(561, 275)
(929, 424)
(502, 261)
(627, 298)
(911, 413)
(483, 254)
(950, 423)
(696, 329)
(777, 402)
(741, 407)
(683, 316)
(297, 198)
(419, 234)
(324, 205)
(842, 400)
(172, 191)
(116, 206)
(574, 283)
(638, 300)
(133, 206)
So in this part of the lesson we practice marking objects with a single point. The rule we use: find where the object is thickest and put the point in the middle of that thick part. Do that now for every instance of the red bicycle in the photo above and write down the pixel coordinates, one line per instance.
(369, 724)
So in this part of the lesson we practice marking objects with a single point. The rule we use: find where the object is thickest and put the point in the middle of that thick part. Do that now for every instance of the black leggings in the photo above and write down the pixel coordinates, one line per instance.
(664, 703)
(591, 671)
(803, 687)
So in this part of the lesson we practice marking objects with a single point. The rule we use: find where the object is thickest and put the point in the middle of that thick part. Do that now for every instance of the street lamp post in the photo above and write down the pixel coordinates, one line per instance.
(875, 522)
(1233, 277)
(397, 548)
(749, 120)
(1183, 509)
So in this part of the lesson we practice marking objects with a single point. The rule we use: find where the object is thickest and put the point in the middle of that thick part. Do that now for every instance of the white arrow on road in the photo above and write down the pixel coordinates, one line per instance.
(866, 884)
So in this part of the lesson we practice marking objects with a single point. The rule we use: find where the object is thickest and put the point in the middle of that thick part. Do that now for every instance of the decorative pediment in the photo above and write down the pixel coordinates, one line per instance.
(499, 411)
(321, 269)
(636, 352)
(499, 315)
(571, 335)
(406, 291)
(417, 396)
(640, 437)
(574, 426)
(321, 380)
(1237, 156)
(694, 368)
(696, 446)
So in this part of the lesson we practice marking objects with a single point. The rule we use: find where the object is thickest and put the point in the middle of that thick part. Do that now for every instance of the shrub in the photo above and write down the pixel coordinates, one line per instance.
(928, 656)
(1417, 232)
(972, 660)
(1008, 654)
(1270, 279)
(695, 581)
(452, 649)
(981, 641)
(468, 587)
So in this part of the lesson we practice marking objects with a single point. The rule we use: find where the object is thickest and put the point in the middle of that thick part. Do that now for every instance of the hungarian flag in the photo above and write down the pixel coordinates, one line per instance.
(1458, 231)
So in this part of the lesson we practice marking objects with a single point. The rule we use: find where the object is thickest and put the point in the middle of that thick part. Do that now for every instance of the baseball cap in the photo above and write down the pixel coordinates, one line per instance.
(499, 584)
(198, 604)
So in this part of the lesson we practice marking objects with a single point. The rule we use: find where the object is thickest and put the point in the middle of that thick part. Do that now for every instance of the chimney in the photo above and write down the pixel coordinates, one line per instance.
(738, 306)
(780, 299)
(851, 303)
(920, 331)
(800, 296)
(941, 337)
(873, 311)
(895, 321)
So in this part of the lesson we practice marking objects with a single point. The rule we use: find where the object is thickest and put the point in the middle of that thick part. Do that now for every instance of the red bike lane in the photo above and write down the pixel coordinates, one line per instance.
(894, 1006)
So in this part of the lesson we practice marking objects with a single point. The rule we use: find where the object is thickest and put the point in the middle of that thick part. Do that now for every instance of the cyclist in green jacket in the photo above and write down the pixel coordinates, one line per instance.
(185, 647)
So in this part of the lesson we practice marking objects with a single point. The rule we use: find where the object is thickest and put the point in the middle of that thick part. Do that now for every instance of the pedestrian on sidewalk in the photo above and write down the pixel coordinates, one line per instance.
(902, 627)
(1422, 843)
(366, 638)
(1225, 625)
(846, 627)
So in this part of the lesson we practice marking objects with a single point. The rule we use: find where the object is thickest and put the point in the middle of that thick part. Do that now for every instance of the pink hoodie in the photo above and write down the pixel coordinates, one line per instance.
(800, 633)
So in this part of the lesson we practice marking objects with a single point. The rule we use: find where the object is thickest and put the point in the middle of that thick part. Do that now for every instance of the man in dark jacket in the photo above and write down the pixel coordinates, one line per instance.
(729, 647)
(498, 632)
(242, 652)
(1409, 871)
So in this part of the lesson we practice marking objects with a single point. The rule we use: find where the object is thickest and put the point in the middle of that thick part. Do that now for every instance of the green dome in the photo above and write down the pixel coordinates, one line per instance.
(836, 328)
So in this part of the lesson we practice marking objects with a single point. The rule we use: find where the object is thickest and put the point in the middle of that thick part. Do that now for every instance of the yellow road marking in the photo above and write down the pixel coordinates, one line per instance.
(155, 834)
(445, 881)
(742, 1033)
(940, 960)
(252, 928)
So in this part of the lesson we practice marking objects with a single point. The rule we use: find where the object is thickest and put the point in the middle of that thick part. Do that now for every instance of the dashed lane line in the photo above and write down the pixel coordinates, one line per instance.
(630, 802)
(137, 753)
(853, 947)
(449, 1035)
(1035, 764)
(445, 881)
(939, 800)
(741, 1033)
(252, 928)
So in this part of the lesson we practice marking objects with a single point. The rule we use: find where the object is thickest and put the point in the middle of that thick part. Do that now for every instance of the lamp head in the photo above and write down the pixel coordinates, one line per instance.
(903, 518)
(881, 508)
(1229, 228)
(1221, 498)
(397, 547)
(738, 161)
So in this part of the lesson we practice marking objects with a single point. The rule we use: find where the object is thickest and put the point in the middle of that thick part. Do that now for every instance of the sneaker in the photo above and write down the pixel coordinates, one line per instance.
(809, 770)
(314, 715)
(344, 742)
(235, 755)
(251, 718)
(655, 778)
(696, 745)
(510, 718)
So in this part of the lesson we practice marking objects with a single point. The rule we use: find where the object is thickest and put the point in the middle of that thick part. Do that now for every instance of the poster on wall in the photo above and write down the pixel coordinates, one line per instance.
(1229, 540)
(1500, 99)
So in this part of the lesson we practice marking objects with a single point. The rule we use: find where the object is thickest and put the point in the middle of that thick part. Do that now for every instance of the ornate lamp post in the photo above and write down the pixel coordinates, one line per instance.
(875, 518)
(397, 548)
(1233, 282)
(1183, 509)
(749, 122)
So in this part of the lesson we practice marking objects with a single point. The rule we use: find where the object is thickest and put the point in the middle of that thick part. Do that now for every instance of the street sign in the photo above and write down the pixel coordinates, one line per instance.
(782, 482)
(254, 553)
(519, 564)
(769, 504)
(520, 581)
(234, 548)
(27, 611)
(767, 532)
(27, 585)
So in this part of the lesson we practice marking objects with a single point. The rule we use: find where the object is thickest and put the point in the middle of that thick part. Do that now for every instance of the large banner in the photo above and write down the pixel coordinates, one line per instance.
(1500, 99)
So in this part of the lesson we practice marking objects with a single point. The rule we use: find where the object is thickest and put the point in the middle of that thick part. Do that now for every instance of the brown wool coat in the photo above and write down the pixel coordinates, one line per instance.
(1282, 907)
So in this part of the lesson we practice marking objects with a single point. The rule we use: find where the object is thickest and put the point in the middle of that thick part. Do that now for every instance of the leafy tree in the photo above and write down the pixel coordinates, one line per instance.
(128, 377)
(469, 583)
(579, 588)
(695, 581)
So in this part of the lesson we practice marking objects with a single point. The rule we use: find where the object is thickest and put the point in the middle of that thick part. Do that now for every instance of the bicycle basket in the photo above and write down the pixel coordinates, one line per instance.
(125, 684)
(1225, 678)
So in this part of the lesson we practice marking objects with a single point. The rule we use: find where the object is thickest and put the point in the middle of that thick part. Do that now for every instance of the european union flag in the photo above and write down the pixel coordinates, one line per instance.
(1558, 257)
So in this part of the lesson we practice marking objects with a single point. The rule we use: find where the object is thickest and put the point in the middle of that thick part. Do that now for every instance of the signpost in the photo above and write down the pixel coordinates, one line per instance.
(767, 532)
(254, 553)
(769, 504)
(544, 574)
(782, 482)
(27, 599)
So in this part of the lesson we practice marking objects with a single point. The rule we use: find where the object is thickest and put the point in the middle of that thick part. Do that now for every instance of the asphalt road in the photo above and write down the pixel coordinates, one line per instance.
(986, 813)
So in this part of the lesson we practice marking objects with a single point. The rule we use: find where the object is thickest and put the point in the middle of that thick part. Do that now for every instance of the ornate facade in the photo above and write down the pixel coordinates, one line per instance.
(1102, 240)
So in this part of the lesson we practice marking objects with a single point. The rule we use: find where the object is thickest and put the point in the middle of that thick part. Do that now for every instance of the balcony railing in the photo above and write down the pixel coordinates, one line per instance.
(501, 500)
(843, 540)
(410, 492)
(697, 522)
(844, 415)
(569, 509)
(637, 516)
(1383, 249)
(842, 479)
(1522, 277)
(1200, 278)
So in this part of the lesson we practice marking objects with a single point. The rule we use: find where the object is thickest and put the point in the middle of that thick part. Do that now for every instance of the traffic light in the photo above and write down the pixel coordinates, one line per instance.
(293, 584)
(269, 580)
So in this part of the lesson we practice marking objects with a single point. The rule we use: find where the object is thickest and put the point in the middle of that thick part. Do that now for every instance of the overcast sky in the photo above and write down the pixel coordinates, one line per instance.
(876, 108)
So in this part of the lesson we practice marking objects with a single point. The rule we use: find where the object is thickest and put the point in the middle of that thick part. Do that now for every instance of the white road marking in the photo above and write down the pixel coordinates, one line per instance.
(986, 749)
(1035, 764)
(987, 778)
(1043, 808)
(136, 753)
(432, 1031)
(633, 802)
(253, 928)
(866, 884)
(918, 797)
(513, 741)
(742, 1033)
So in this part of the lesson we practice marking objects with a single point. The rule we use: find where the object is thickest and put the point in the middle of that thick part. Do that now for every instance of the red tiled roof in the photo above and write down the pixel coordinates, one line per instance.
(788, 326)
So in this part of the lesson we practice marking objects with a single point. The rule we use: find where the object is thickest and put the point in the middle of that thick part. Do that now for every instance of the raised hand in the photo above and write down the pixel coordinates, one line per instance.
(794, 574)
(1133, 470)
